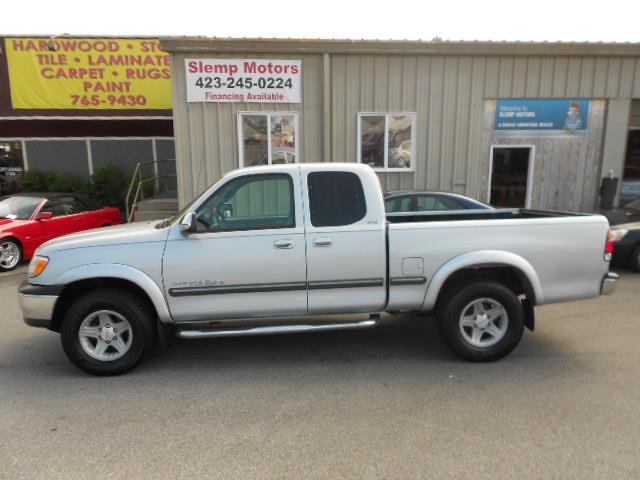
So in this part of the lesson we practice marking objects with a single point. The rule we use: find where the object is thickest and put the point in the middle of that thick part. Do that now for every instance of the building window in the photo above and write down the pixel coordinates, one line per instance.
(386, 140)
(11, 165)
(267, 138)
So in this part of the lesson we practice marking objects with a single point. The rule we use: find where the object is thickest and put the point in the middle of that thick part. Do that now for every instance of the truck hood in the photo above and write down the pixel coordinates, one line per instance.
(137, 232)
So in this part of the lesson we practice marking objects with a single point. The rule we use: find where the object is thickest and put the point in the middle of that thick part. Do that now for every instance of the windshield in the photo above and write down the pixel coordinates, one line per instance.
(18, 208)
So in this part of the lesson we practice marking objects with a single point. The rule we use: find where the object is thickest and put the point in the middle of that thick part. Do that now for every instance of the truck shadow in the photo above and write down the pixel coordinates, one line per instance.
(409, 341)
(408, 347)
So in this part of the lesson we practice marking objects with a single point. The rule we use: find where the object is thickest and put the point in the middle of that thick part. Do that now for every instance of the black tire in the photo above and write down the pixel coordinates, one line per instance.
(17, 245)
(635, 259)
(452, 306)
(131, 307)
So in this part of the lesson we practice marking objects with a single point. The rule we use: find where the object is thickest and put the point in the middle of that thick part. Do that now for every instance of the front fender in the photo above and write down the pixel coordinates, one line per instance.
(123, 272)
(494, 258)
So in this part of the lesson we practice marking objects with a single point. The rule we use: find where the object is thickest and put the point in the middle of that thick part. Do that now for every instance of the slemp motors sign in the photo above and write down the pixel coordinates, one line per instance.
(243, 80)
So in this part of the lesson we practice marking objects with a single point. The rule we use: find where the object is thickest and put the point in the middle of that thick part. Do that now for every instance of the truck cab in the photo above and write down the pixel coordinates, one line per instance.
(312, 241)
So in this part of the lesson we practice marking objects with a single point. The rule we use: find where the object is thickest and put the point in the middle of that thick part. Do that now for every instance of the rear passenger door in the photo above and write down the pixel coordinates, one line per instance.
(346, 245)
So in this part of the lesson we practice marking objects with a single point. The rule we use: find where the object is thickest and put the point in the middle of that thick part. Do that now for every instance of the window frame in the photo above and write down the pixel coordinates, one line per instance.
(268, 114)
(247, 178)
(53, 200)
(386, 115)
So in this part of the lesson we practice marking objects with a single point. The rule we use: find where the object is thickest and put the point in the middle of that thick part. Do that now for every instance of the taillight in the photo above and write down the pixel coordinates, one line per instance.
(608, 247)
(612, 237)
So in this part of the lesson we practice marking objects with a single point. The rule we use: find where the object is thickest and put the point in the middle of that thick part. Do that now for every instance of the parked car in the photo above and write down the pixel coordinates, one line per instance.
(28, 220)
(629, 213)
(408, 201)
(626, 244)
(630, 190)
(267, 245)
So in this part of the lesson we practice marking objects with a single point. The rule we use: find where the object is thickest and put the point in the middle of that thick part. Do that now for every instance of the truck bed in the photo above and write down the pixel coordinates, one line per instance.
(562, 249)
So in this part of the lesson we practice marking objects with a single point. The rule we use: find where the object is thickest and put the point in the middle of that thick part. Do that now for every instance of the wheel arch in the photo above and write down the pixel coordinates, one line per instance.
(90, 277)
(504, 267)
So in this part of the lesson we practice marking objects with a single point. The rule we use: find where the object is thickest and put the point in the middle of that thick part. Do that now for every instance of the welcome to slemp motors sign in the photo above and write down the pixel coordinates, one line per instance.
(243, 80)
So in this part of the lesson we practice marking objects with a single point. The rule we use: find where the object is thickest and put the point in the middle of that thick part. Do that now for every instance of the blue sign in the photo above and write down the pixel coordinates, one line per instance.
(560, 115)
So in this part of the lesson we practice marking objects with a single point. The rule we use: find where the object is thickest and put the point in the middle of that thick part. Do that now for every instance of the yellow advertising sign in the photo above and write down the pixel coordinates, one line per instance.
(88, 73)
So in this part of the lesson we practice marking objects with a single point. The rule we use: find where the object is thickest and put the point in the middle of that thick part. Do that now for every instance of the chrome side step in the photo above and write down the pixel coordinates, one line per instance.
(273, 329)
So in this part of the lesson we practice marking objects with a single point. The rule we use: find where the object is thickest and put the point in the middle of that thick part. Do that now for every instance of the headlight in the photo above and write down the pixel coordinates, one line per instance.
(617, 235)
(37, 265)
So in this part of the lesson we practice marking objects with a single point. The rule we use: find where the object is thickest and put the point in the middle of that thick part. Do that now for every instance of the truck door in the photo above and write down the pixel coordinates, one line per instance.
(346, 251)
(247, 258)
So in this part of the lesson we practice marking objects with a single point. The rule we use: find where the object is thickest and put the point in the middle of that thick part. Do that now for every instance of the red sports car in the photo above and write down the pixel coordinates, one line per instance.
(27, 220)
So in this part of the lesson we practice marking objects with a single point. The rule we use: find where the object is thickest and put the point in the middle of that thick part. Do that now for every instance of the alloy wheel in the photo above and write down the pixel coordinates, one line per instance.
(483, 322)
(105, 335)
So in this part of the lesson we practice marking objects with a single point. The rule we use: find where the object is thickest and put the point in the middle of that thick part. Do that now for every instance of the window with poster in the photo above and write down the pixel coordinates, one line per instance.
(11, 165)
(267, 138)
(386, 140)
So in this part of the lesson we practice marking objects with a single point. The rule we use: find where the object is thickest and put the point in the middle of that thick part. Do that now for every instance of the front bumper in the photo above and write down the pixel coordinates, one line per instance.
(609, 283)
(37, 303)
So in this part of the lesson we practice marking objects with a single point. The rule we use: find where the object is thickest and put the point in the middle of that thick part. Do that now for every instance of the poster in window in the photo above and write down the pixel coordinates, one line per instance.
(283, 139)
(400, 141)
(255, 140)
(372, 140)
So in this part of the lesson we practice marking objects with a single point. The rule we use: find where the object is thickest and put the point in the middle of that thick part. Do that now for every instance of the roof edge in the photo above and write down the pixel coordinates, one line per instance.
(398, 47)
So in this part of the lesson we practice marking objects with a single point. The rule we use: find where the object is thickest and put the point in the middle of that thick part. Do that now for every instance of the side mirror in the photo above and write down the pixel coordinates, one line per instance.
(188, 223)
(45, 216)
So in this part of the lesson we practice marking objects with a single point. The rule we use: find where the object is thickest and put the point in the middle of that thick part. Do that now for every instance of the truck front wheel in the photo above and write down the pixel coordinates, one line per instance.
(482, 321)
(107, 331)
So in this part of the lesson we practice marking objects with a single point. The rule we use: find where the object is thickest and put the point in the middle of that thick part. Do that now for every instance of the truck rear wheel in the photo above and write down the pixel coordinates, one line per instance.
(481, 322)
(107, 332)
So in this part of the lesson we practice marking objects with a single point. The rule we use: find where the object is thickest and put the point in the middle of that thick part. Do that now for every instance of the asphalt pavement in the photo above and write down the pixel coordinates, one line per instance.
(389, 402)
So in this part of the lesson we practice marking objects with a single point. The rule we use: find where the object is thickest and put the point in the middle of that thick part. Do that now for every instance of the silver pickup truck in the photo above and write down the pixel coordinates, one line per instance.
(278, 249)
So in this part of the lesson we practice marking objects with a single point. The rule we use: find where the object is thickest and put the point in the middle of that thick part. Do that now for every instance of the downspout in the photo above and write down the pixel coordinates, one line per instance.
(326, 106)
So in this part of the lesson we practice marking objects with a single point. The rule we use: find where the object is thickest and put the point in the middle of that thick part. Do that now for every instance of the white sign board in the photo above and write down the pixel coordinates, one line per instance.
(243, 80)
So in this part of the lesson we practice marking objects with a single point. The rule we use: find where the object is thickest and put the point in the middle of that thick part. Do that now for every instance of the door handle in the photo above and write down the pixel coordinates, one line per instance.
(283, 244)
(322, 242)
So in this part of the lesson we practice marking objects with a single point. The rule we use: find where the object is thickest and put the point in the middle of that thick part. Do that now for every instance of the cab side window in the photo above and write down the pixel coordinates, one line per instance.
(335, 199)
(253, 202)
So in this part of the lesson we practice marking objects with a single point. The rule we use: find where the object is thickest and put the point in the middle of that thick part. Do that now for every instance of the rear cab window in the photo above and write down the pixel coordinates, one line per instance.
(335, 199)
